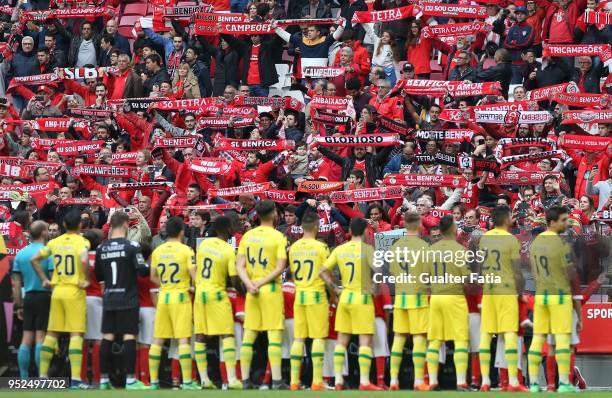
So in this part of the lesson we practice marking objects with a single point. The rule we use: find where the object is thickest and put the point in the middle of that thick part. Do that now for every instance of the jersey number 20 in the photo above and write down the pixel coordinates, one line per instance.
(67, 262)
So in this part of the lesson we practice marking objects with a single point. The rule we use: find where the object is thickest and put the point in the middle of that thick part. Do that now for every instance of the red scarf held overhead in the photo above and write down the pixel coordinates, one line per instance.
(392, 14)
(223, 122)
(358, 140)
(506, 145)
(507, 177)
(549, 92)
(250, 145)
(455, 29)
(273, 102)
(425, 180)
(603, 51)
(319, 186)
(82, 201)
(186, 104)
(507, 161)
(105, 170)
(451, 10)
(599, 18)
(366, 194)
(240, 190)
(124, 157)
(450, 135)
(137, 186)
(587, 143)
(69, 74)
(36, 188)
(512, 117)
(208, 207)
(583, 100)
(280, 196)
(441, 87)
(176, 142)
(214, 166)
(587, 116)
(89, 12)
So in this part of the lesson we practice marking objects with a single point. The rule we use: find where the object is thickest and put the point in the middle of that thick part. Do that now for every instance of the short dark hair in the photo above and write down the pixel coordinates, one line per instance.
(411, 218)
(500, 214)
(72, 220)
(551, 177)
(310, 221)
(196, 187)
(43, 50)
(352, 83)
(154, 58)
(222, 226)
(94, 236)
(174, 226)
(118, 219)
(359, 174)
(446, 223)
(290, 209)
(358, 226)
(265, 209)
(109, 39)
(554, 213)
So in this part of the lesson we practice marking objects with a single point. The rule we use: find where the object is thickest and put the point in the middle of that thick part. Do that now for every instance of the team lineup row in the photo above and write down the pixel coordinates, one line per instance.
(428, 313)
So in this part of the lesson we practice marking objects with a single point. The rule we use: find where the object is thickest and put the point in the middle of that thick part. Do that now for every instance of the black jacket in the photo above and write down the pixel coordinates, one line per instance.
(457, 75)
(267, 52)
(501, 73)
(373, 163)
(591, 78)
(75, 43)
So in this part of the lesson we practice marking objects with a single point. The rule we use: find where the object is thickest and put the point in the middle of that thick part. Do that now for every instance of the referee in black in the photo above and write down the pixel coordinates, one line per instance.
(118, 263)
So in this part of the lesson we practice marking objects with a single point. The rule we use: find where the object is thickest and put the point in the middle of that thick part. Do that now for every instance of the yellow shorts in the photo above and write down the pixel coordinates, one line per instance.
(173, 318)
(410, 321)
(448, 318)
(311, 321)
(499, 313)
(264, 311)
(552, 318)
(355, 313)
(68, 310)
(212, 314)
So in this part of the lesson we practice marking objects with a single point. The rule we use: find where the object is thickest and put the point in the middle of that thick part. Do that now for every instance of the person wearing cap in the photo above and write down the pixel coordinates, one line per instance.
(40, 105)
(407, 71)
(519, 38)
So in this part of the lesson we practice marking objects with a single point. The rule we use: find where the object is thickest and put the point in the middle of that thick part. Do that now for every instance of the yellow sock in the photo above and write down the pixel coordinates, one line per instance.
(534, 357)
(461, 361)
(297, 351)
(201, 361)
(419, 345)
(229, 354)
(365, 363)
(485, 357)
(46, 354)
(75, 354)
(275, 353)
(317, 354)
(563, 356)
(433, 358)
(511, 353)
(246, 353)
(154, 358)
(339, 353)
(397, 350)
(184, 351)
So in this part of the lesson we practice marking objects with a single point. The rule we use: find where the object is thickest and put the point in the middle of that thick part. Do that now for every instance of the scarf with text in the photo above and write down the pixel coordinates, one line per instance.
(176, 142)
(392, 14)
(358, 140)
(455, 29)
(330, 103)
(37, 188)
(96, 113)
(587, 116)
(506, 145)
(602, 51)
(12, 166)
(67, 147)
(451, 10)
(252, 145)
(603, 215)
(508, 177)
(213, 24)
(105, 170)
(137, 186)
(322, 71)
(366, 194)
(223, 122)
(587, 143)
(212, 166)
(88, 12)
(328, 118)
(450, 135)
(442, 87)
(240, 190)
(273, 102)
(134, 104)
(583, 100)
(208, 207)
(319, 186)
(549, 92)
(425, 180)
(124, 157)
(280, 196)
(387, 125)
(55, 77)
(58, 124)
(512, 117)
(507, 161)
(460, 161)
(186, 104)
(81, 202)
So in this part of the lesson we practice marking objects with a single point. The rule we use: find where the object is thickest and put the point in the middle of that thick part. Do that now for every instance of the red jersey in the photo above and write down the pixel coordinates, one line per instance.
(94, 288)
(469, 197)
(333, 335)
(145, 286)
(253, 75)
(289, 298)
(382, 302)
(473, 302)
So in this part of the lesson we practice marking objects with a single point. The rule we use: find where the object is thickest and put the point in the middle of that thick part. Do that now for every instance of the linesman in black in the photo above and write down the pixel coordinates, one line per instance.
(118, 263)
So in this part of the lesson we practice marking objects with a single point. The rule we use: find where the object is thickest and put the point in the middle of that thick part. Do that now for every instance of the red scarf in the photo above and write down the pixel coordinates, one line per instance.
(587, 143)
(425, 180)
(603, 51)
(455, 29)
(587, 116)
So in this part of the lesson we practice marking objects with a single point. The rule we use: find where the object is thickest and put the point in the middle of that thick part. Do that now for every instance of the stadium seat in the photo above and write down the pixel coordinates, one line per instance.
(135, 9)
(129, 20)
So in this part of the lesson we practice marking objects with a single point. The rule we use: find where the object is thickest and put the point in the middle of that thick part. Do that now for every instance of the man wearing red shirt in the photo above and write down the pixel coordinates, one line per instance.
(255, 172)
(390, 107)
(125, 83)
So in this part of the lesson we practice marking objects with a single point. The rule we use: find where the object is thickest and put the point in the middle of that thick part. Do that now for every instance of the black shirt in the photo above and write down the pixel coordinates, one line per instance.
(118, 263)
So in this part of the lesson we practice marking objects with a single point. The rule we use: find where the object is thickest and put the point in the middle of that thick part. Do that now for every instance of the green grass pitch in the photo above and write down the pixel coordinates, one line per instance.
(282, 394)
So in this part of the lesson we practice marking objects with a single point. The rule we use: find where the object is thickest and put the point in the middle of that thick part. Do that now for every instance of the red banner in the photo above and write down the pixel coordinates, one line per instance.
(441, 87)
(74, 147)
(392, 14)
(588, 143)
(587, 116)
(251, 145)
(596, 319)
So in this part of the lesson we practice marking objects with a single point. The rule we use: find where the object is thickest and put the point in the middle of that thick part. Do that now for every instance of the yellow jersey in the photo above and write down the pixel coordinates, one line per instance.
(306, 257)
(410, 291)
(67, 251)
(172, 261)
(550, 259)
(500, 249)
(354, 259)
(261, 247)
(448, 267)
(216, 259)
